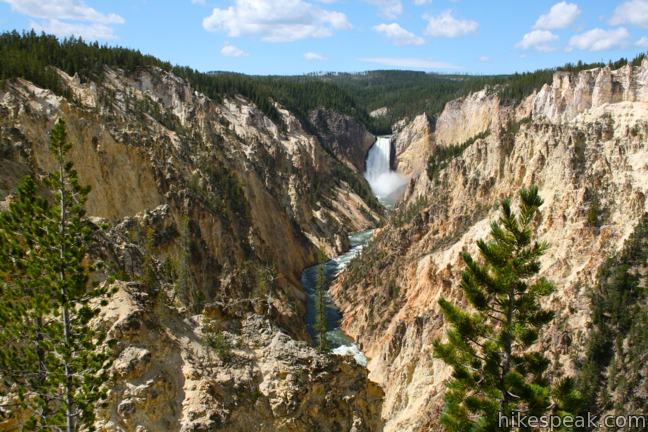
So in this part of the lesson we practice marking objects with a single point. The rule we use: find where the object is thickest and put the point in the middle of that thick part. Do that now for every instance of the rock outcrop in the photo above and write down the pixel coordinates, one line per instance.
(379, 112)
(570, 95)
(464, 118)
(343, 136)
(577, 151)
(209, 372)
(413, 143)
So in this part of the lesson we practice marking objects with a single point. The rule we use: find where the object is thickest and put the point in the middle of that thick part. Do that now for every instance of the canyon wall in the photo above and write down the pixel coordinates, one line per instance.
(466, 117)
(582, 140)
(413, 143)
(223, 193)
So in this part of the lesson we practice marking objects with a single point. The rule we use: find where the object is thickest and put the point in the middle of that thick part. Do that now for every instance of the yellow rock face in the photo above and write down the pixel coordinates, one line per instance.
(583, 138)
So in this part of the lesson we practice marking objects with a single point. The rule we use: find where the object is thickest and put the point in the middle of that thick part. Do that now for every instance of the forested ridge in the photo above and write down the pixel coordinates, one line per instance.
(29, 55)
(404, 93)
(409, 93)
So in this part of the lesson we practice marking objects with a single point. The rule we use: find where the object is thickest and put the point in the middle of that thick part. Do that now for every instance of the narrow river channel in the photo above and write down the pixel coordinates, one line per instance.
(340, 343)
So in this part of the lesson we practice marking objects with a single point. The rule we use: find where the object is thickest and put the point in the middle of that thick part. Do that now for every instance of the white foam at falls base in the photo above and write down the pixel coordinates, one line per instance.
(387, 183)
(345, 350)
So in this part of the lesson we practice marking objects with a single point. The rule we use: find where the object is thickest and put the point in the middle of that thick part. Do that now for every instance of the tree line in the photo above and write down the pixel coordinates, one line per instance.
(404, 93)
(409, 93)
(29, 55)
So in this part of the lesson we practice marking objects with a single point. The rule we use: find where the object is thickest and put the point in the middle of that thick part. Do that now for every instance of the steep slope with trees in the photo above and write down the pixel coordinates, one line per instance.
(582, 140)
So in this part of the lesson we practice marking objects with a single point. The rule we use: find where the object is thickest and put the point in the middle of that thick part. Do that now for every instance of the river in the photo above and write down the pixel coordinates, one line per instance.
(339, 342)
(386, 185)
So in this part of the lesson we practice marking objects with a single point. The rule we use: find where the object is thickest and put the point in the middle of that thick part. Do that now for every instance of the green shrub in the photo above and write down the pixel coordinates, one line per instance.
(217, 342)
(594, 212)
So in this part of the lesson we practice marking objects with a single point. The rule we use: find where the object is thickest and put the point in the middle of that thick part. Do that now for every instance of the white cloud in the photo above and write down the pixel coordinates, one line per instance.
(62, 10)
(389, 9)
(631, 12)
(398, 35)
(275, 20)
(63, 29)
(539, 40)
(484, 59)
(599, 40)
(560, 15)
(53, 16)
(643, 42)
(230, 50)
(445, 25)
(313, 56)
(422, 2)
(417, 63)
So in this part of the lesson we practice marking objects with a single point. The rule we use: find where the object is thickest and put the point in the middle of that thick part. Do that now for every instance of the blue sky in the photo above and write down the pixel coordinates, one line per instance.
(299, 36)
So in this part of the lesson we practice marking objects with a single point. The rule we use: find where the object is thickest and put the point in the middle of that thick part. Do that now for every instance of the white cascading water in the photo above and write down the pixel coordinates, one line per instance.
(384, 182)
(386, 185)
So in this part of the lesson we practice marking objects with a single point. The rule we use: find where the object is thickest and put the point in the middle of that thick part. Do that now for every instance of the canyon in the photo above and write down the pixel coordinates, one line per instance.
(219, 192)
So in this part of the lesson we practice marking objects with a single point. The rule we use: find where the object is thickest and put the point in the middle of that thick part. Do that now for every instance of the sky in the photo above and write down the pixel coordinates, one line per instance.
(302, 36)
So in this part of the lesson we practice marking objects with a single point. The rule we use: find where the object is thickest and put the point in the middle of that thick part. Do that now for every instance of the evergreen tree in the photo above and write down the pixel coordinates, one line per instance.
(26, 301)
(148, 276)
(264, 287)
(320, 304)
(494, 370)
(54, 361)
(184, 284)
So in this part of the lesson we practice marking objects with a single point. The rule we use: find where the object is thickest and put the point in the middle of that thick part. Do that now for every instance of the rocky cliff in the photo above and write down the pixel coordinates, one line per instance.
(217, 192)
(413, 143)
(343, 136)
(145, 140)
(583, 141)
(466, 117)
(211, 372)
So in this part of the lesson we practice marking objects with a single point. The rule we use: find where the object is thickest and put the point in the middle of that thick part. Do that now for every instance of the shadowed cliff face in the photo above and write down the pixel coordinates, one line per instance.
(344, 136)
(227, 192)
(581, 140)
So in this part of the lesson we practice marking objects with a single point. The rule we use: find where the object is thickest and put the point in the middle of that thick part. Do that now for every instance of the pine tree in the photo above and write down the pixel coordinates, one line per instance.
(148, 276)
(55, 361)
(264, 287)
(26, 301)
(184, 284)
(495, 372)
(320, 303)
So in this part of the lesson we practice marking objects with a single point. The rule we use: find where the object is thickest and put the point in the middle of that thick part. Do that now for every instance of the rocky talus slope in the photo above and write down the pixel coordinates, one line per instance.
(167, 378)
(583, 140)
(214, 191)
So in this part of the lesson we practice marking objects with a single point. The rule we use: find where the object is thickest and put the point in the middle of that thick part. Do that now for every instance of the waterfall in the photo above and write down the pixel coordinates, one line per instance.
(385, 183)
(378, 159)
